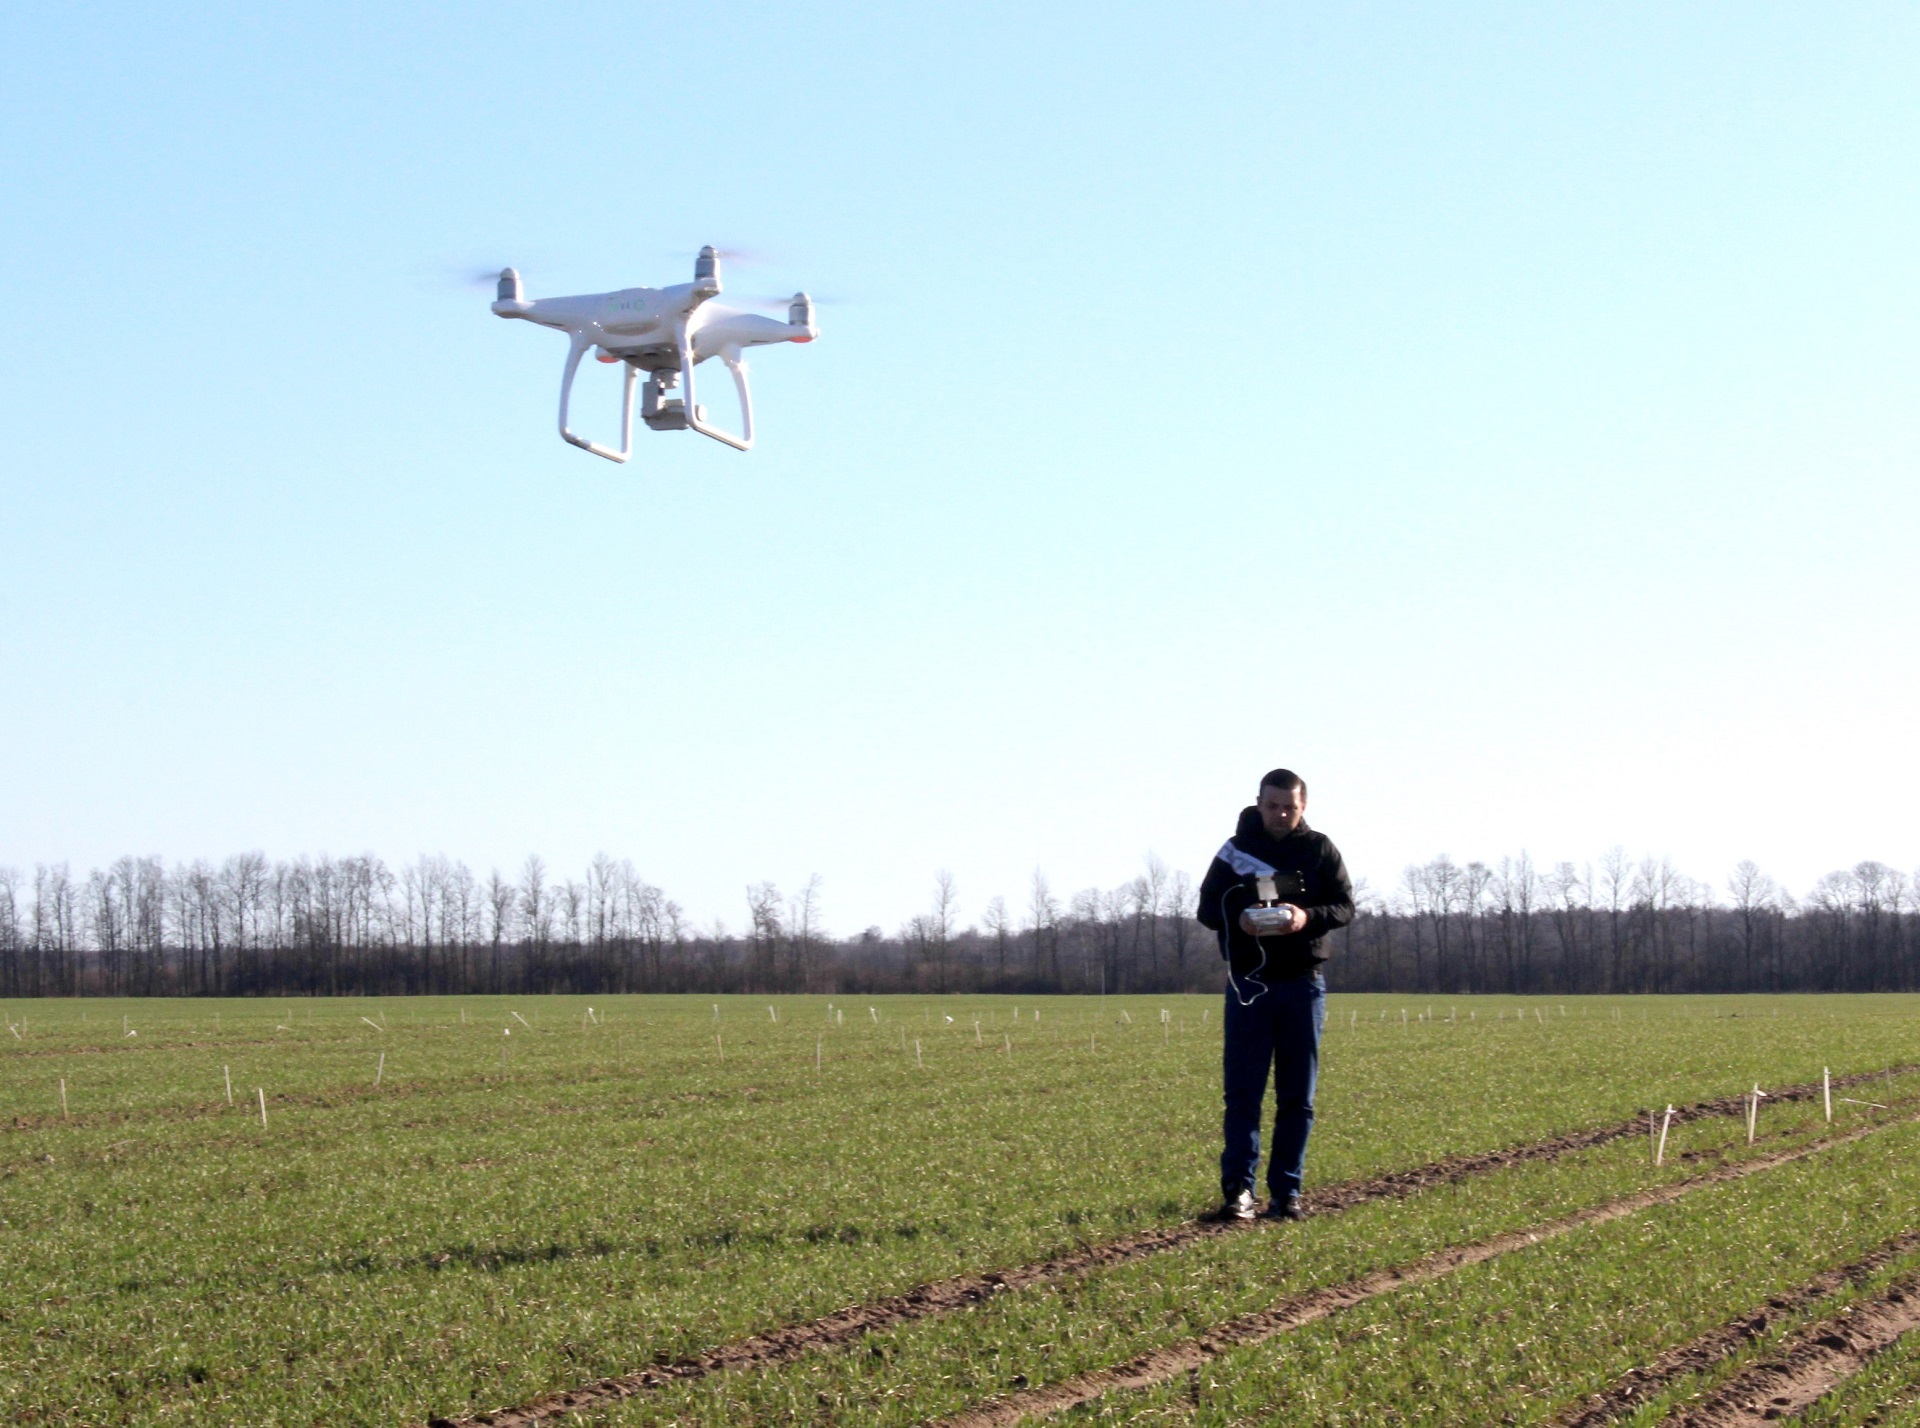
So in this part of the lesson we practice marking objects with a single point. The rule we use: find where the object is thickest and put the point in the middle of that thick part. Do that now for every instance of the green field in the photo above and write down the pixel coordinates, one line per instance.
(535, 1196)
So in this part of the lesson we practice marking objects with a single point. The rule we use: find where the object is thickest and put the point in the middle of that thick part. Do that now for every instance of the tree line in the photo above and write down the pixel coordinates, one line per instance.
(324, 926)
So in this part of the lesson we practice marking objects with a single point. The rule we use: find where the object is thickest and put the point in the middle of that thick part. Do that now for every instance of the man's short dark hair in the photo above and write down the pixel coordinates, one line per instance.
(1284, 779)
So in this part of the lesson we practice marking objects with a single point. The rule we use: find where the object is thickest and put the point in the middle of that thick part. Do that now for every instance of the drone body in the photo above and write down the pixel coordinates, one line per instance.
(664, 333)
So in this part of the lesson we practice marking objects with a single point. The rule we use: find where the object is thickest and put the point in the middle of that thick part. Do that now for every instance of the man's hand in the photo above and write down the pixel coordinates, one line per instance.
(1273, 921)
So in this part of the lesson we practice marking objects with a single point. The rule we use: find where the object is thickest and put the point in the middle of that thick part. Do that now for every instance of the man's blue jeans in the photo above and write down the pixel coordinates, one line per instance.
(1279, 1030)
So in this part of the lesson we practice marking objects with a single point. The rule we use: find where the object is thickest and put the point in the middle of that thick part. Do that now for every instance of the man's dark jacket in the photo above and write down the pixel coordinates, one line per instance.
(1322, 888)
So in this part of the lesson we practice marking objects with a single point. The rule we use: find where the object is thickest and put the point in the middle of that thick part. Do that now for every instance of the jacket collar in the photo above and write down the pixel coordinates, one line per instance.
(1251, 834)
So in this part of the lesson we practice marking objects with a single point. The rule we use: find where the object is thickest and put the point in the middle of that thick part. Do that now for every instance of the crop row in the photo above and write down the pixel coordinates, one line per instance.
(632, 1188)
(1520, 1336)
(1055, 1333)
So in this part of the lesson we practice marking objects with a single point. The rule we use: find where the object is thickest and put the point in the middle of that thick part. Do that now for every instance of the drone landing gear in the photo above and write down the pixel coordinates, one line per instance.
(664, 412)
(698, 421)
(658, 409)
(579, 350)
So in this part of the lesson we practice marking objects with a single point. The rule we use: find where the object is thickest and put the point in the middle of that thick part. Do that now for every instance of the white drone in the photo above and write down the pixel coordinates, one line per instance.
(666, 333)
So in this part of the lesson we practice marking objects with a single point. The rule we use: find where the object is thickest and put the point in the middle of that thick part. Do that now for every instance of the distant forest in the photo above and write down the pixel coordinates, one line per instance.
(326, 926)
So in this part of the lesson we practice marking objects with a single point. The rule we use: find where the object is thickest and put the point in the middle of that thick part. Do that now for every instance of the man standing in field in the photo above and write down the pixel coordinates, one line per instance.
(1274, 891)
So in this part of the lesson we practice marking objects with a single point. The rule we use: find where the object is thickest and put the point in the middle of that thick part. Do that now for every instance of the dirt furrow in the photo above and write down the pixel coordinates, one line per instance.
(946, 1296)
(1811, 1365)
(1700, 1355)
(1162, 1365)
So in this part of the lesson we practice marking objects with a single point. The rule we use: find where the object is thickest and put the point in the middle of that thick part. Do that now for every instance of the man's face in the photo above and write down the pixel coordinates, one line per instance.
(1281, 809)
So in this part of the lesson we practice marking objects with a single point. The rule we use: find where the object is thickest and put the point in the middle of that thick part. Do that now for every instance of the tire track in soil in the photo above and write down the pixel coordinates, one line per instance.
(1162, 1365)
(947, 1296)
(1811, 1365)
(1700, 1355)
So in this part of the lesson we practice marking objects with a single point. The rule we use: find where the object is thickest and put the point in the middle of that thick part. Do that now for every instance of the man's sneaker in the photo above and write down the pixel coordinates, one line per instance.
(1237, 1206)
(1287, 1207)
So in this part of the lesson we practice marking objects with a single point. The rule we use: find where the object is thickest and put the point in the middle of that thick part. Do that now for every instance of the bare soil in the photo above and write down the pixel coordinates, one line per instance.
(791, 1342)
(1163, 1365)
(1711, 1348)
(1812, 1364)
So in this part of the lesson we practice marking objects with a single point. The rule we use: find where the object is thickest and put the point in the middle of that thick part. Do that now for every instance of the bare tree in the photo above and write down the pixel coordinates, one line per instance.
(1179, 913)
(1444, 890)
(941, 925)
(1413, 897)
(602, 908)
(763, 934)
(1043, 913)
(502, 900)
(803, 931)
(1149, 900)
(1516, 887)
(459, 922)
(570, 904)
(1656, 887)
(243, 885)
(12, 935)
(1475, 879)
(1616, 880)
(1084, 911)
(999, 927)
(352, 925)
(1567, 893)
(1754, 895)
(719, 944)
(536, 919)
(1877, 887)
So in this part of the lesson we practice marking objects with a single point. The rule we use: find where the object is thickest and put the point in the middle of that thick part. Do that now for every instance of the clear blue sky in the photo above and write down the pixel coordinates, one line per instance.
(1503, 413)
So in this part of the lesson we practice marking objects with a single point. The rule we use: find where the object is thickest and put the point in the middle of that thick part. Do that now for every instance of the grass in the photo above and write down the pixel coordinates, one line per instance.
(1052, 1333)
(1522, 1336)
(462, 1236)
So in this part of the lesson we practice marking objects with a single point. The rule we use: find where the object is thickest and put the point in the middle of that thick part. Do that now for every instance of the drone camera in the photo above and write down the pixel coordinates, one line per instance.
(658, 410)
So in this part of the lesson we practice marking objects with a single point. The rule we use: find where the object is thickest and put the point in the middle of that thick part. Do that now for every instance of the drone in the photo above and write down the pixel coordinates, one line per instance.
(665, 333)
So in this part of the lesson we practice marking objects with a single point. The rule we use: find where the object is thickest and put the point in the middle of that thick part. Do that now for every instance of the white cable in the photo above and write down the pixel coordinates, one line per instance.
(1227, 937)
